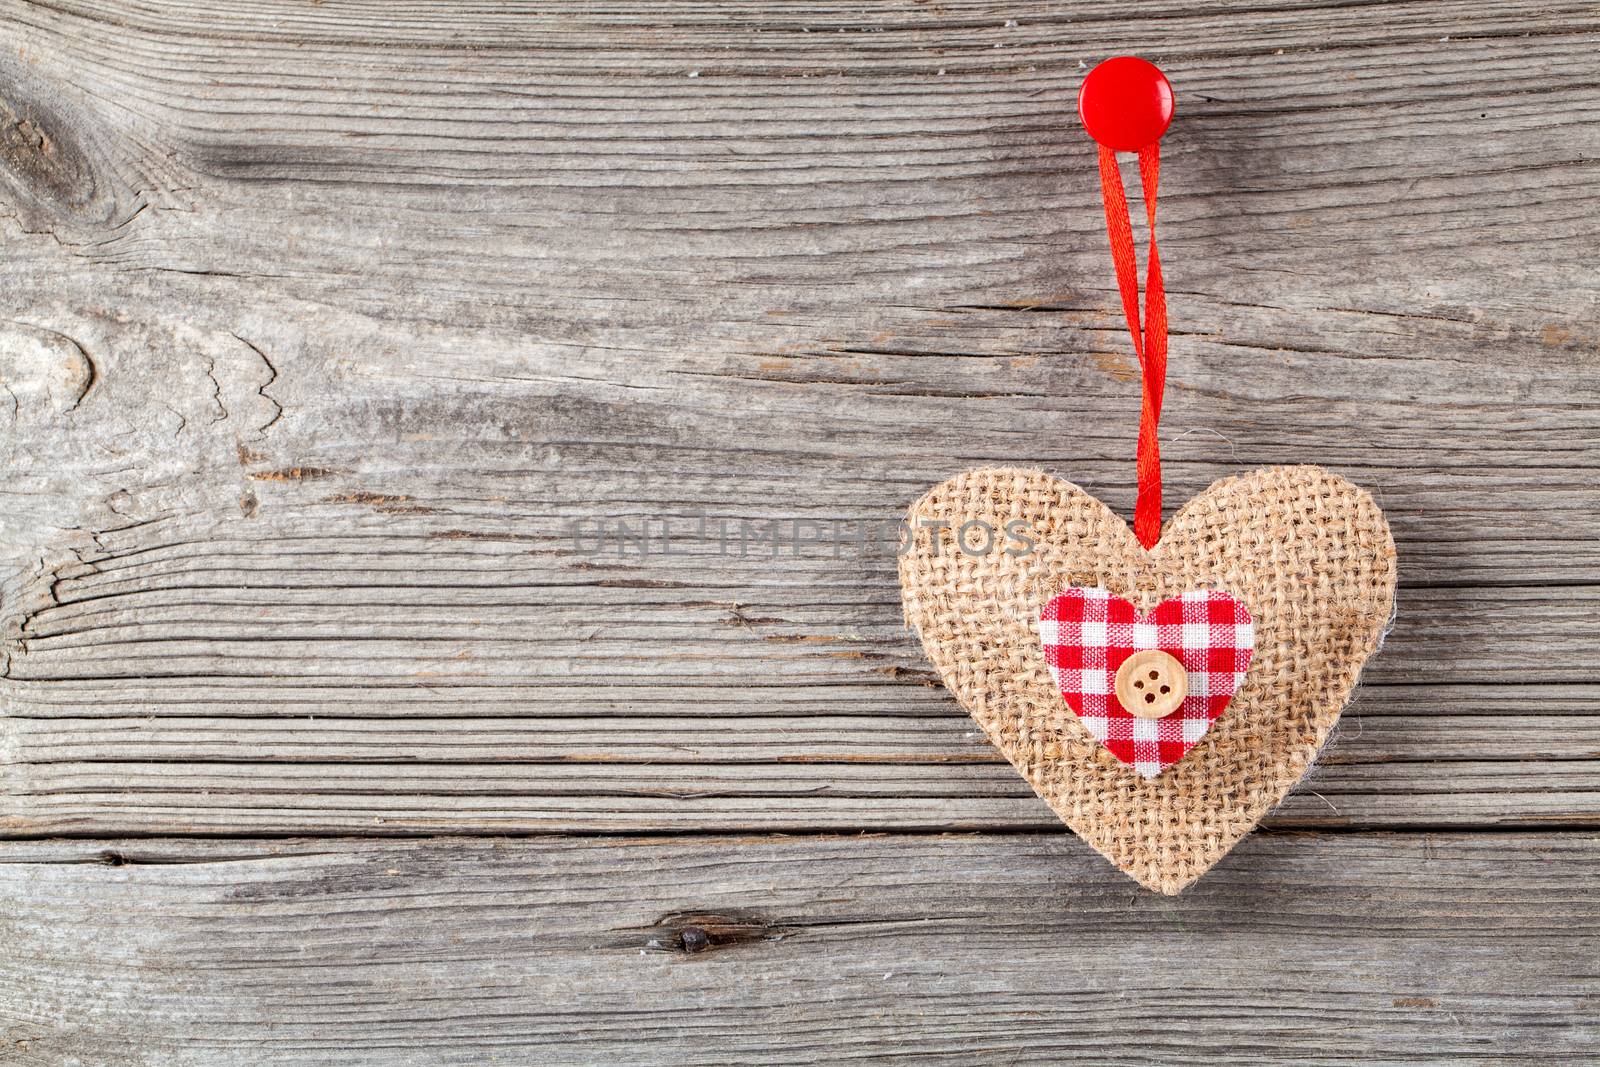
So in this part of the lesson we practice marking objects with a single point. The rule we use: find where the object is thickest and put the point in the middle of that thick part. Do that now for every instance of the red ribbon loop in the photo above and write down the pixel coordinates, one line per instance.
(1152, 349)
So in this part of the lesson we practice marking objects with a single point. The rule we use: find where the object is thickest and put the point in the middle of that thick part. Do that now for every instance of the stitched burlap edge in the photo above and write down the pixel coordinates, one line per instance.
(1310, 555)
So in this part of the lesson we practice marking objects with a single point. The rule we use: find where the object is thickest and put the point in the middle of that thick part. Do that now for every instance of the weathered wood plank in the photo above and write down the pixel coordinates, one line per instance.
(410, 798)
(549, 270)
(212, 685)
(1443, 727)
(1471, 949)
(395, 612)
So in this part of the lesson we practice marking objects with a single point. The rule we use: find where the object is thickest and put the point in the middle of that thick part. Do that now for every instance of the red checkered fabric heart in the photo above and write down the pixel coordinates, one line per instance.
(1087, 633)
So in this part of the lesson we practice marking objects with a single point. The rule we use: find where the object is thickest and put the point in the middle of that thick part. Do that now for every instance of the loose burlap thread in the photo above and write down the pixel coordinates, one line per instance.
(1308, 553)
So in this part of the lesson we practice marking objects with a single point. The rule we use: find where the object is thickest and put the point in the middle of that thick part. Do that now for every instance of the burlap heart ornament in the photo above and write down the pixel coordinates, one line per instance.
(1309, 555)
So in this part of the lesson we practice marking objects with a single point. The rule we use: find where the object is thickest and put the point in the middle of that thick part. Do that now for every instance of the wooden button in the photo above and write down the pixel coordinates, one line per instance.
(1151, 684)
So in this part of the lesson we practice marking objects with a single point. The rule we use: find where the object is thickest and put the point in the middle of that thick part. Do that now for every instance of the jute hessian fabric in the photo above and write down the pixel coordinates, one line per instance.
(1307, 552)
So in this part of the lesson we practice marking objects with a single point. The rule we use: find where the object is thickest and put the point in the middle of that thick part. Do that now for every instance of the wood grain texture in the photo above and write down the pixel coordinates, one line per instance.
(430, 419)
(456, 685)
(1473, 949)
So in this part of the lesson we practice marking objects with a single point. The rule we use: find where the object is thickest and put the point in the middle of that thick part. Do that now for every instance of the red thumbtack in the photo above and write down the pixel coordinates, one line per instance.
(1125, 104)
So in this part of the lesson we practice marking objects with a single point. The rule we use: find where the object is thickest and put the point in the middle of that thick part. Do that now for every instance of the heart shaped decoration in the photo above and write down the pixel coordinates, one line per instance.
(1308, 556)
(1188, 656)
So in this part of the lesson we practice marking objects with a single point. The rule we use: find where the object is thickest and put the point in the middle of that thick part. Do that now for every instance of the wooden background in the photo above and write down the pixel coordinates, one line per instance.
(324, 327)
